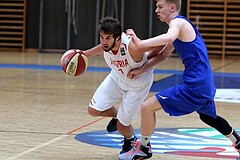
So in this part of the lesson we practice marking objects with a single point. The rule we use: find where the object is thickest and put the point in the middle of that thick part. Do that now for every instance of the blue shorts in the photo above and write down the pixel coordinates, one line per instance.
(181, 100)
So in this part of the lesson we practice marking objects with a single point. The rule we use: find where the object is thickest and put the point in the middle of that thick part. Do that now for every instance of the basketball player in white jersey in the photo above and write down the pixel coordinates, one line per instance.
(121, 56)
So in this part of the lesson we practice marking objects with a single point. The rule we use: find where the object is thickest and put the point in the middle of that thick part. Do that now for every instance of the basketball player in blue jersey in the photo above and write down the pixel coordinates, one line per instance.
(121, 56)
(197, 91)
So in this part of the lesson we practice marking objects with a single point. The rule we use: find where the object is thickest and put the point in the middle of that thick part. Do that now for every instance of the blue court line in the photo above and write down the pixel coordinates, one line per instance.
(98, 69)
(30, 66)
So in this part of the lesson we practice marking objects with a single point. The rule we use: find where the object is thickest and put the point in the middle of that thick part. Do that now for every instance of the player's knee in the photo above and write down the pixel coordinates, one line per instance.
(93, 112)
(145, 108)
(218, 123)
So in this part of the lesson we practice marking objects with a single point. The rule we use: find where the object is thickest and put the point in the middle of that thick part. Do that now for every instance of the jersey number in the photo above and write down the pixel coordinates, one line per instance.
(120, 70)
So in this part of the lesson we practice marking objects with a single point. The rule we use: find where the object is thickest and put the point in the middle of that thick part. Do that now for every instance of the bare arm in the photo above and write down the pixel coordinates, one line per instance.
(161, 56)
(136, 51)
(153, 61)
(97, 50)
(154, 51)
(135, 42)
(163, 39)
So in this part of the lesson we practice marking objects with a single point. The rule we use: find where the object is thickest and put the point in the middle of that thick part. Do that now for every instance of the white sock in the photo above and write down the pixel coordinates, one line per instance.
(234, 137)
(145, 140)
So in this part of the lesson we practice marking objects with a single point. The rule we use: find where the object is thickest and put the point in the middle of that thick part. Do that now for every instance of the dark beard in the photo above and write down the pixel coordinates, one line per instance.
(107, 50)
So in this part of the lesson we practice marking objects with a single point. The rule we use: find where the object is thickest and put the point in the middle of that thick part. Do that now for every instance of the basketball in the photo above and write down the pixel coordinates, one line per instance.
(74, 62)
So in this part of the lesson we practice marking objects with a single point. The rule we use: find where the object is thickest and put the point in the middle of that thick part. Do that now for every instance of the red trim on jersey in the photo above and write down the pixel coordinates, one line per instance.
(125, 46)
(114, 52)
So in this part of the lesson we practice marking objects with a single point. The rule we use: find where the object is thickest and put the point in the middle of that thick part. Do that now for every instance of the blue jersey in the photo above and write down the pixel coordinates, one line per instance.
(197, 74)
(197, 91)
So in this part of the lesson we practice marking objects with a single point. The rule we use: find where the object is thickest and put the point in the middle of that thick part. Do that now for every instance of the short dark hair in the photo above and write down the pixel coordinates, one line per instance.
(110, 25)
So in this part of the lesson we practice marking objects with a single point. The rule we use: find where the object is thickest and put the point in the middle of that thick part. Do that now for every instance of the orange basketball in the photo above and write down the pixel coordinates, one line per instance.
(74, 62)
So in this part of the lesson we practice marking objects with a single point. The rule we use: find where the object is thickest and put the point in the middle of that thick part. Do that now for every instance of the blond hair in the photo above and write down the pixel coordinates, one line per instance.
(176, 2)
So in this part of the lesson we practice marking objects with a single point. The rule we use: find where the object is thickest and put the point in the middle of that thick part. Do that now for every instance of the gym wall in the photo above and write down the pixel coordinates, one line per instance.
(48, 27)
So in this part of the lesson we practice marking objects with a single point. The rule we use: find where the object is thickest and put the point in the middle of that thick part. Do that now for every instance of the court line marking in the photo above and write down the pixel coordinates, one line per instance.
(53, 140)
(101, 69)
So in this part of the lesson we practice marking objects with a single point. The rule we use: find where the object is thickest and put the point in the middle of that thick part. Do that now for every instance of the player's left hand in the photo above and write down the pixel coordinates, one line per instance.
(131, 33)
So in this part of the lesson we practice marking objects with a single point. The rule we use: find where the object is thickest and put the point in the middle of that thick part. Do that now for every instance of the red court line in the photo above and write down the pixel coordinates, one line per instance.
(86, 125)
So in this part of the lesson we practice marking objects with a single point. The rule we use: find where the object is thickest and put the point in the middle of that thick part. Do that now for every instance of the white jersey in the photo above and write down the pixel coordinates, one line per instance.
(121, 63)
(116, 86)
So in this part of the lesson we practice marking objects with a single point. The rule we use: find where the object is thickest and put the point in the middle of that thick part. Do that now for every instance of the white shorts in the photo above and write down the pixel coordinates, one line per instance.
(113, 90)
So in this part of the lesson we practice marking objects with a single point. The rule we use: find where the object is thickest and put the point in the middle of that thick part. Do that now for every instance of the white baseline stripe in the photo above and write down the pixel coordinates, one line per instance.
(228, 95)
(37, 147)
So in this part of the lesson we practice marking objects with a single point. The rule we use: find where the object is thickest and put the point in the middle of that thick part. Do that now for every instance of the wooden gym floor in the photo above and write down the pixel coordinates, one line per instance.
(42, 109)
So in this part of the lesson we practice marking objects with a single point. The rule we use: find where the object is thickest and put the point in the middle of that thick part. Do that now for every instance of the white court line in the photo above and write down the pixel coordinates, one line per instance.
(37, 147)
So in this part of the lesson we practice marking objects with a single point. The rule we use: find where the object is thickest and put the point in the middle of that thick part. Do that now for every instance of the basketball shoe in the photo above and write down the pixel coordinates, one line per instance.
(128, 144)
(137, 152)
(112, 125)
